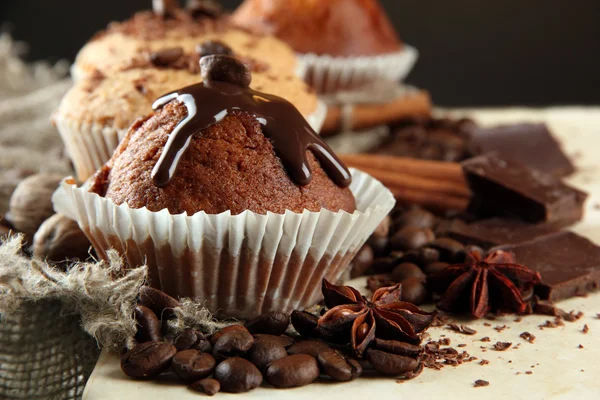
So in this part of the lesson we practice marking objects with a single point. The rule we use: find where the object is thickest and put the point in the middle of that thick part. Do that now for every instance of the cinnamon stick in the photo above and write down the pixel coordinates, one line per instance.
(432, 201)
(438, 170)
(366, 116)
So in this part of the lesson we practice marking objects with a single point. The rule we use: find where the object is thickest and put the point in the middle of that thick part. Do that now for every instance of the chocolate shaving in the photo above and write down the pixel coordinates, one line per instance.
(462, 329)
(528, 336)
(502, 346)
(481, 383)
(441, 320)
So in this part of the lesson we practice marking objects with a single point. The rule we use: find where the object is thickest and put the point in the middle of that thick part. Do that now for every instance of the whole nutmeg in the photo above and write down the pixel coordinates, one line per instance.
(31, 202)
(59, 238)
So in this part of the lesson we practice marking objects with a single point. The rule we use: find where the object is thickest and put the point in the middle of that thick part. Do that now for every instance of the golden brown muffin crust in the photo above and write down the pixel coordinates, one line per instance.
(230, 165)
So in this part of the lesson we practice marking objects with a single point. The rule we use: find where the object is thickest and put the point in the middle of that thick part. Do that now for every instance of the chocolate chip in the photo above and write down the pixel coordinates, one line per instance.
(304, 323)
(407, 270)
(237, 375)
(411, 237)
(292, 371)
(414, 291)
(191, 365)
(389, 363)
(149, 328)
(212, 47)
(337, 366)
(264, 352)
(272, 323)
(310, 347)
(161, 303)
(224, 68)
(283, 340)
(192, 339)
(416, 218)
(166, 57)
(362, 261)
(235, 342)
(208, 386)
(147, 360)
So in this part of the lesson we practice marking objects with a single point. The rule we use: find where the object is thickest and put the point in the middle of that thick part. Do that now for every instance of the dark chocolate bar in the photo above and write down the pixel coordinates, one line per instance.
(496, 231)
(568, 263)
(503, 187)
(530, 144)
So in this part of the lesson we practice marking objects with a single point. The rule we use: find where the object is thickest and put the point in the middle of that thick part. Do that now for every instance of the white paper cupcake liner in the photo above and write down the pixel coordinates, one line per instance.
(327, 74)
(91, 144)
(237, 265)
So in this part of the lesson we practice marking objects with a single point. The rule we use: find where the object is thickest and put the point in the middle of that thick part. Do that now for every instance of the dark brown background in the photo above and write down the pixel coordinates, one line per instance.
(473, 52)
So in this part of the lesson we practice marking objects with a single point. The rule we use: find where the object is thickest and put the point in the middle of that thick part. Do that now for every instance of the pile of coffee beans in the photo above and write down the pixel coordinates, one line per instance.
(405, 249)
(239, 358)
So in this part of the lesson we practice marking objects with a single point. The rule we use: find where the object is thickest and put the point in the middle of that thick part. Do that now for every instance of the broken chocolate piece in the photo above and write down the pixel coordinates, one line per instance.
(497, 231)
(503, 187)
(530, 144)
(569, 264)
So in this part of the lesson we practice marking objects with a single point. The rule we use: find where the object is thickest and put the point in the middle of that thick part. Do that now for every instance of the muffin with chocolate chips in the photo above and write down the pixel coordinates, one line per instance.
(95, 114)
(132, 43)
(235, 202)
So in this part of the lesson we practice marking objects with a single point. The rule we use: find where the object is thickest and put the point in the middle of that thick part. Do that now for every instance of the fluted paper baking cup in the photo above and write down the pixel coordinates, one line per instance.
(91, 144)
(328, 74)
(237, 265)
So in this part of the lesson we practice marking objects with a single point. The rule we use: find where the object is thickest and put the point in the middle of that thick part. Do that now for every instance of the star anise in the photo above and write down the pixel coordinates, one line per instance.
(496, 283)
(384, 316)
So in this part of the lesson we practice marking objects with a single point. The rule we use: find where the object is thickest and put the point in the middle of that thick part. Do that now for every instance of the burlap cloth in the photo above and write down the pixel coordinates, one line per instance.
(44, 353)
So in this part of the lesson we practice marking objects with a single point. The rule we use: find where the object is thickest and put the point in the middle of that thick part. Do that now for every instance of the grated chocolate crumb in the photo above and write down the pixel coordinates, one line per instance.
(502, 346)
(580, 346)
(528, 336)
(585, 329)
(481, 383)
(528, 372)
(500, 328)
(484, 362)
(485, 339)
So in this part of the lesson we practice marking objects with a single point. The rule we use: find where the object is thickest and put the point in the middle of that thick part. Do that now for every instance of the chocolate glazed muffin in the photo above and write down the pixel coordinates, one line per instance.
(245, 166)
(231, 165)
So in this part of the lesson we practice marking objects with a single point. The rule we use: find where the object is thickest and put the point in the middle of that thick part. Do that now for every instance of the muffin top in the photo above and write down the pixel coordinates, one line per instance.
(125, 45)
(321, 26)
(118, 100)
(219, 145)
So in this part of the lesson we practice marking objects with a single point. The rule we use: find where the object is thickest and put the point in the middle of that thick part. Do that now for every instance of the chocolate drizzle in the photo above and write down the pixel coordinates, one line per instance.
(281, 122)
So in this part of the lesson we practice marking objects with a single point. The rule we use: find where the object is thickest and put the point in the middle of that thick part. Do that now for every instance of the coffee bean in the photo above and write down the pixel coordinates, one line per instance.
(166, 57)
(383, 229)
(191, 365)
(212, 47)
(224, 68)
(161, 303)
(213, 339)
(237, 375)
(264, 352)
(272, 323)
(208, 385)
(363, 260)
(448, 248)
(416, 218)
(310, 347)
(304, 323)
(147, 360)
(291, 371)
(192, 339)
(435, 267)
(397, 347)
(407, 270)
(391, 364)
(414, 291)
(335, 364)
(411, 238)
(233, 343)
(282, 340)
(149, 328)
(427, 255)
(379, 244)
(383, 265)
